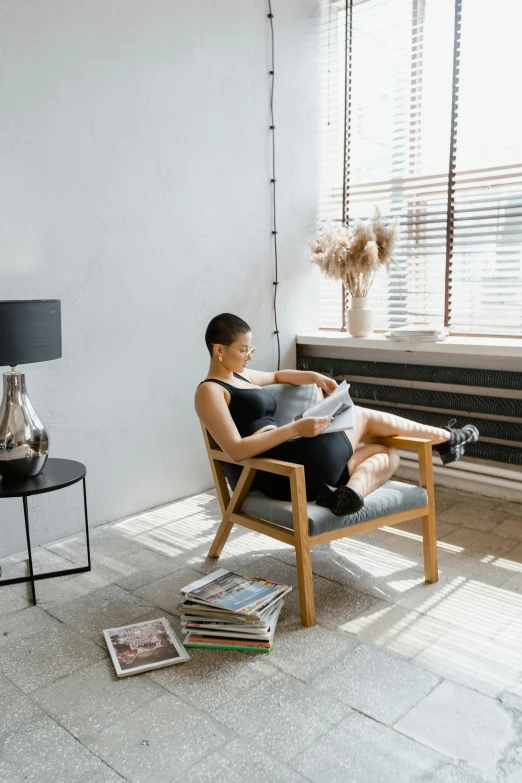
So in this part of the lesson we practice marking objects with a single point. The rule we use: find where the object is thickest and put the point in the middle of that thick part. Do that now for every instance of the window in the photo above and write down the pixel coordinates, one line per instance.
(421, 118)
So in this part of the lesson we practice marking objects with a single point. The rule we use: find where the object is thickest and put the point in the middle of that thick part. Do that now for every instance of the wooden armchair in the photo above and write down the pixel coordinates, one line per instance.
(303, 525)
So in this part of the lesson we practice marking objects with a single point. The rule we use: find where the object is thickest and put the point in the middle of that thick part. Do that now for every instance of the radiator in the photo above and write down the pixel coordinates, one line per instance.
(489, 399)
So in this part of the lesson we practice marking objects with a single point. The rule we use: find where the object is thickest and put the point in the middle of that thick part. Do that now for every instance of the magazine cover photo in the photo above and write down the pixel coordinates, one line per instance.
(141, 646)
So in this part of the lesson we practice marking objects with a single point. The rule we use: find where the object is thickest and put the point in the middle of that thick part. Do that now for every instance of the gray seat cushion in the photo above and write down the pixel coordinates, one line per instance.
(391, 498)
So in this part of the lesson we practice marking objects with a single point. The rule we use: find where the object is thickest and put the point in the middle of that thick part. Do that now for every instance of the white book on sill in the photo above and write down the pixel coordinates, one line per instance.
(338, 404)
(417, 333)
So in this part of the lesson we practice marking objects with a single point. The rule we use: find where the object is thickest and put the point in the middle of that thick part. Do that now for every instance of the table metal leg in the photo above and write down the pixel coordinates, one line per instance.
(86, 524)
(31, 572)
(51, 574)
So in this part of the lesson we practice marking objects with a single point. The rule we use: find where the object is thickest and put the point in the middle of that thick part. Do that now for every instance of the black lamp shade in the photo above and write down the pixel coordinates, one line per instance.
(30, 331)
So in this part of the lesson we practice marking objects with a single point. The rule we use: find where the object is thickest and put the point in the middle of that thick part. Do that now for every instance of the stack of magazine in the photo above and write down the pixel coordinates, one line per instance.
(230, 612)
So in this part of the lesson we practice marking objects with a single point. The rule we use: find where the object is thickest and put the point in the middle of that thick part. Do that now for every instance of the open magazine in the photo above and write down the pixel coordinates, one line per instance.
(338, 404)
(139, 647)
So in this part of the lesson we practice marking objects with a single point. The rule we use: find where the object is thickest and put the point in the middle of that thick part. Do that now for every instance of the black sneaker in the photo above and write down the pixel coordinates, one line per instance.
(340, 500)
(455, 447)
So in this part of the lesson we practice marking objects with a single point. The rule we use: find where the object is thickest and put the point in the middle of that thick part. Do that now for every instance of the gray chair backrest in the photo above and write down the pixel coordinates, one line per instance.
(292, 400)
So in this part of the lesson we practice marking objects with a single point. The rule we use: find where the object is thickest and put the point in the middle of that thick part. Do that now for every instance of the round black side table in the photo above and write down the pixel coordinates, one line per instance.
(57, 474)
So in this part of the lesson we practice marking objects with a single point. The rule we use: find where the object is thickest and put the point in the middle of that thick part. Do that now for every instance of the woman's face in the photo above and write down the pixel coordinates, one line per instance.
(236, 356)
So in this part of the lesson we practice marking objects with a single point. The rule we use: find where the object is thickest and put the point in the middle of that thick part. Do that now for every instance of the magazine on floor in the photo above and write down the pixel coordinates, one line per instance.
(226, 643)
(200, 612)
(211, 627)
(227, 611)
(338, 404)
(140, 647)
(252, 641)
(239, 594)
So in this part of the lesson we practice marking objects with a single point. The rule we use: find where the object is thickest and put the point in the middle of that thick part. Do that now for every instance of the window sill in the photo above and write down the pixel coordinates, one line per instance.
(496, 347)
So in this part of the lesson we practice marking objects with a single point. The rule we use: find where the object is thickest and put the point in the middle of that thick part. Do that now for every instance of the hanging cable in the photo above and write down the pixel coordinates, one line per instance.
(273, 180)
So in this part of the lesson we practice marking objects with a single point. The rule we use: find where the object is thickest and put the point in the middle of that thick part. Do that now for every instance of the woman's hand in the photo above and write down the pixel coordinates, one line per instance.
(326, 384)
(310, 427)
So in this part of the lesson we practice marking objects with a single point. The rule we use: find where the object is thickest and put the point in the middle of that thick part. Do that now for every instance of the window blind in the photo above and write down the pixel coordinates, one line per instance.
(485, 270)
(388, 81)
(331, 133)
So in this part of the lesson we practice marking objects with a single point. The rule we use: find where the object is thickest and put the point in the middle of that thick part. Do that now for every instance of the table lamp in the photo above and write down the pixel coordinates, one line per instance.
(30, 331)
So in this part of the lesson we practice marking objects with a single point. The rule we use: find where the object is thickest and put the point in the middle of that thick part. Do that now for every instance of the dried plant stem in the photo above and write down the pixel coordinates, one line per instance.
(355, 256)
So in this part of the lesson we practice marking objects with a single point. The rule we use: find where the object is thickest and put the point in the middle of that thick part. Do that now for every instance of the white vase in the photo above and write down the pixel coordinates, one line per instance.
(360, 317)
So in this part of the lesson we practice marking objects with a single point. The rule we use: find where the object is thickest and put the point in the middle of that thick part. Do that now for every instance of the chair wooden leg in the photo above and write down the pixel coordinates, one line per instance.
(429, 526)
(303, 554)
(221, 537)
(236, 501)
(429, 539)
(303, 557)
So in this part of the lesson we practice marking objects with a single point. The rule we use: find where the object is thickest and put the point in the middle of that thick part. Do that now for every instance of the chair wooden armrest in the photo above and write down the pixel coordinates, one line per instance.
(232, 505)
(266, 464)
(402, 442)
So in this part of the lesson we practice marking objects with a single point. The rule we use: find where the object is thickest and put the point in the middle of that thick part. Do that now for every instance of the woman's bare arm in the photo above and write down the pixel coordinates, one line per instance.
(212, 409)
(295, 377)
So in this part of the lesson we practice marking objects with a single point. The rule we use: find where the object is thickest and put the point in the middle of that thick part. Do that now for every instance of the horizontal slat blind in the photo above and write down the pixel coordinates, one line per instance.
(332, 102)
(486, 266)
(398, 146)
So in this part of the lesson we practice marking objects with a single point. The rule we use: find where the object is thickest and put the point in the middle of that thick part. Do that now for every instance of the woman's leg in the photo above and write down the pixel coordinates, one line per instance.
(450, 442)
(368, 468)
(381, 464)
(371, 466)
(375, 424)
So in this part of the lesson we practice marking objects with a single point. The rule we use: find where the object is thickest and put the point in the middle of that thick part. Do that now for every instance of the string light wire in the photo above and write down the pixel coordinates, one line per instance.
(273, 180)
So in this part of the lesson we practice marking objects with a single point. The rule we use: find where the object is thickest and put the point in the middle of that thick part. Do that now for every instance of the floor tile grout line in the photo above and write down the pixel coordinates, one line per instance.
(246, 741)
(62, 677)
(389, 654)
(343, 654)
(448, 678)
(57, 722)
(78, 739)
(424, 696)
(225, 701)
(466, 687)
(356, 711)
(199, 710)
(254, 741)
(353, 712)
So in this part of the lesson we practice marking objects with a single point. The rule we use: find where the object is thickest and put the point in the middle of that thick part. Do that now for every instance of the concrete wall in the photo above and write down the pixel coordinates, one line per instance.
(134, 186)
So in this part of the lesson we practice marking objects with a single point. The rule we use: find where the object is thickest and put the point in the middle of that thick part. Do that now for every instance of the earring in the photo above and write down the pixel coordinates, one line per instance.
(220, 359)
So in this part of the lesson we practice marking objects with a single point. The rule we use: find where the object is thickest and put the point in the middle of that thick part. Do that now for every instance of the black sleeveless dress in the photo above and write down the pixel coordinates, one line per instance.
(324, 457)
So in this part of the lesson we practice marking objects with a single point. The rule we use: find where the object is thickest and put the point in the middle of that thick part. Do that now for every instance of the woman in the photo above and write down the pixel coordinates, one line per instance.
(239, 413)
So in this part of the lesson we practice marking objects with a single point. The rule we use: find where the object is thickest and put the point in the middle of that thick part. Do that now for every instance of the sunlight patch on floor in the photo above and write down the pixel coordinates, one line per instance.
(373, 559)
(172, 512)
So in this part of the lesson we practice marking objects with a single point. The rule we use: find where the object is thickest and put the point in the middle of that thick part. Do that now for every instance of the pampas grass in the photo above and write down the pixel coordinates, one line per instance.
(355, 256)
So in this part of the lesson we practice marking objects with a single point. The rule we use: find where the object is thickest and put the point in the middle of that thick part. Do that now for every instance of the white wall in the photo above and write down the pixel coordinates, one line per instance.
(134, 186)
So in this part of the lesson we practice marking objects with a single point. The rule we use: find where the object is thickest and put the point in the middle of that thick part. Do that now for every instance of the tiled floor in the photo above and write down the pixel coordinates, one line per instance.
(400, 682)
